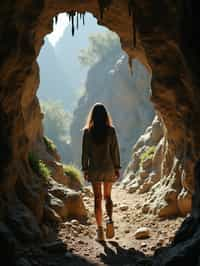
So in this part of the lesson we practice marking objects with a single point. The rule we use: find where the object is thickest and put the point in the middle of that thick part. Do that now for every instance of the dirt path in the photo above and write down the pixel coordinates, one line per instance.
(76, 243)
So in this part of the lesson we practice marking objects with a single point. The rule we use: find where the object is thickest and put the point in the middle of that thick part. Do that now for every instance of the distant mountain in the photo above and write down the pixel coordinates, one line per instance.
(109, 81)
(54, 83)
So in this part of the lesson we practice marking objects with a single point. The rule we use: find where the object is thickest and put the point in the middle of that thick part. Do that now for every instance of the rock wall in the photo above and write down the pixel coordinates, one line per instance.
(165, 197)
(144, 168)
(164, 30)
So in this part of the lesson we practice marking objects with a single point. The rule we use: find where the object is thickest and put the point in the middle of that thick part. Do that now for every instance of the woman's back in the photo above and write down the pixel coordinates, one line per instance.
(101, 159)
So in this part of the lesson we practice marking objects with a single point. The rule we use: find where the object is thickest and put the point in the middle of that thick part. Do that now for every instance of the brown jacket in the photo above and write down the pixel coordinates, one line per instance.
(100, 161)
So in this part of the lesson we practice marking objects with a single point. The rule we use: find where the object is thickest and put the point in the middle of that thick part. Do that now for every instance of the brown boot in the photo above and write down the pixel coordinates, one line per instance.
(110, 232)
(100, 234)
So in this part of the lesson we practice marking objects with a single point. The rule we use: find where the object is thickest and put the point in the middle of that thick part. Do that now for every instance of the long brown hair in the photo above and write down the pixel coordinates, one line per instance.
(98, 122)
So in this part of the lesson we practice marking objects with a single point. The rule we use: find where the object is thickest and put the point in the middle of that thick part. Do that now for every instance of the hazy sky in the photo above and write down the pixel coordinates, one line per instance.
(59, 28)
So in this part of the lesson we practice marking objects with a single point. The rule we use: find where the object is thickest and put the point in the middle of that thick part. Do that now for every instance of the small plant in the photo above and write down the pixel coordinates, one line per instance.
(49, 144)
(72, 171)
(38, 166)
(148, 154)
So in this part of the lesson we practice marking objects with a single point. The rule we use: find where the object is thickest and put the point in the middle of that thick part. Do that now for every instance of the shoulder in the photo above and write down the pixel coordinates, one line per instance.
(85, 131)
(111, 130)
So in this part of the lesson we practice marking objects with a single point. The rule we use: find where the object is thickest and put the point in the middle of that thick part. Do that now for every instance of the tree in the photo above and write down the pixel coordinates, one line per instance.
(56, 121)
(101, 45)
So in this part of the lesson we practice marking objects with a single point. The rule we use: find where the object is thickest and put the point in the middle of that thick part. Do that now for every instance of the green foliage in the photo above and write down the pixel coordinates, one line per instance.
(56, 120)
(101, 45)
(38, 166)
(50, 144)
(72, 171)
(56, 124)
(147, 154)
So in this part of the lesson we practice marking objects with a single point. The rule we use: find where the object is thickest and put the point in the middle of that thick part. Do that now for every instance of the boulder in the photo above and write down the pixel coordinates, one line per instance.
(73, 183)
(142, 233)
(132, 189)
(57, 172)
(123, 207)
(66, 203)
(157, 130)
(145, 187)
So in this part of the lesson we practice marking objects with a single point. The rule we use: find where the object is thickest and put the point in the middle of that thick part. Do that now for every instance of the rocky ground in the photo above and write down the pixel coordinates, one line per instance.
(137, 237)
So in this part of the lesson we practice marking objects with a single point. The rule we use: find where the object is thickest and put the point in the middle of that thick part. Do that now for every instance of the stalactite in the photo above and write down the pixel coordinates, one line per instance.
(56, 19)
(102, 5)
(132, 12)
(83, 15)
(72, 14)
(73, 29)
(77, 21)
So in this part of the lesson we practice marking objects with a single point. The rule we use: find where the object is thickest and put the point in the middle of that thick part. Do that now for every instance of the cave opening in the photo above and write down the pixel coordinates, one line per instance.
(107, 79)
(99, 72)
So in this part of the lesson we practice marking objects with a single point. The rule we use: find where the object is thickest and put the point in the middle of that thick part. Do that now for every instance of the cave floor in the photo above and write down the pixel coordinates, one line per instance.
(74, 243)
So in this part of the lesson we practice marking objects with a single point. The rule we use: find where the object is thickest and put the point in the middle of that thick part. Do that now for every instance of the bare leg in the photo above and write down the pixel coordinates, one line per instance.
(108, 200)
(97, 202)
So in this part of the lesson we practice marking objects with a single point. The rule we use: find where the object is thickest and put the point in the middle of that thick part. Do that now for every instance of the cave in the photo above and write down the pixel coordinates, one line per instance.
(165, 40)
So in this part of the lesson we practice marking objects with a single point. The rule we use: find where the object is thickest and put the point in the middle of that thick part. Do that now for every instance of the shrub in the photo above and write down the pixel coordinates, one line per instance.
(73, 172)
(49, 144)
(147, 154)
(38, 166)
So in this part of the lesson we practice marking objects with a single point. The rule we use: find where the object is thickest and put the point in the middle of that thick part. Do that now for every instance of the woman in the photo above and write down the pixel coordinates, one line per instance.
(101, 163)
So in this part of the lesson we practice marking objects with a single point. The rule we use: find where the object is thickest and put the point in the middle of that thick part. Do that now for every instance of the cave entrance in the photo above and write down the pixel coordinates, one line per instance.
(29, 187)
(76, 72)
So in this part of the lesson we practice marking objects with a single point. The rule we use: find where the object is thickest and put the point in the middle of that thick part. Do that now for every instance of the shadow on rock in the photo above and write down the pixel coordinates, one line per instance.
(117, 255)
(185, 248)
(51, 254)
